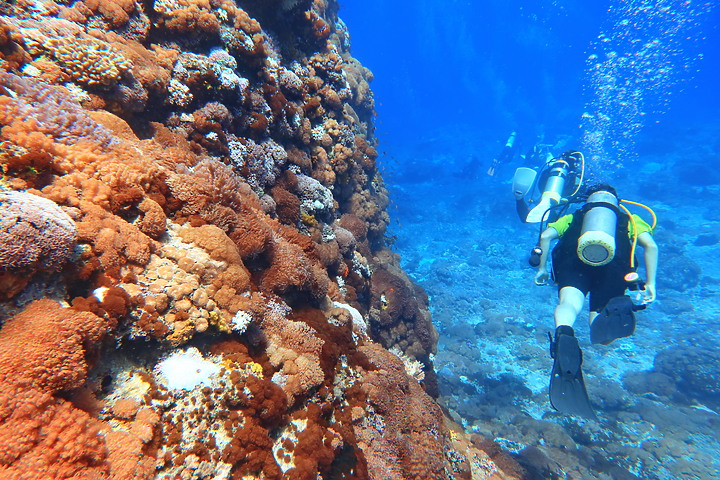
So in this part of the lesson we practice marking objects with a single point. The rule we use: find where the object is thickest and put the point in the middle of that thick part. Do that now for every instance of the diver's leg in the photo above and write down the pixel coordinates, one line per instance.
(567, 387)
(569, 305)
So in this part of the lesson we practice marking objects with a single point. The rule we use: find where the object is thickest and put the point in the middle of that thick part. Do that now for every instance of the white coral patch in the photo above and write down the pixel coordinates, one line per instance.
(357, 318)
(240, 322)
(185, 370)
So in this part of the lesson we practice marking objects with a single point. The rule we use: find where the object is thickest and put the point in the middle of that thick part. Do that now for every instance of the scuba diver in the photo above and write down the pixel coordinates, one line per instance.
(595, 255)
(506, 154)
(558, 181)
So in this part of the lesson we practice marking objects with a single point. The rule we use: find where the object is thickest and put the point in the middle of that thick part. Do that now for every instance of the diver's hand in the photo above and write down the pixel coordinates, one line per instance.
(648, 294)
(542, 277)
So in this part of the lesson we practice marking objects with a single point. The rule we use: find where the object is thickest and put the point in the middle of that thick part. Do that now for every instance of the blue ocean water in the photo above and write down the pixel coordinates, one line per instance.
(631, 84)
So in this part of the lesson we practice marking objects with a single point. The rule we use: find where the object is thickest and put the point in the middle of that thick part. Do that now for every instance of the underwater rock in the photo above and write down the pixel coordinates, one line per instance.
(695, 369)
(679, 272)
(706, 240)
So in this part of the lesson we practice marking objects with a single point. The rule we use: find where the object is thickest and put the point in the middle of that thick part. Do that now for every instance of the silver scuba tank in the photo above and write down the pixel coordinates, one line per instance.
(596, 245)
(552, 192)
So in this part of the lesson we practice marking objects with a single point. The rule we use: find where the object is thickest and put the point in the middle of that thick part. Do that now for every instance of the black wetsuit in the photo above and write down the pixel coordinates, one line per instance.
(601, 282)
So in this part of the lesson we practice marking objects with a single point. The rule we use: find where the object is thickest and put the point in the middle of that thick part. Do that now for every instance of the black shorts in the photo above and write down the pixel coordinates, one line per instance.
(602, 283)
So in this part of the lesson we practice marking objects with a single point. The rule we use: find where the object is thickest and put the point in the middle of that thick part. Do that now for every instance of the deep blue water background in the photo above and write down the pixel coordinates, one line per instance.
(495, 66)
(452, 79)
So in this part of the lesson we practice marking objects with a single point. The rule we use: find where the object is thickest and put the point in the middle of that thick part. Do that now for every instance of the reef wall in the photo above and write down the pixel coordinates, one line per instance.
(194, 277)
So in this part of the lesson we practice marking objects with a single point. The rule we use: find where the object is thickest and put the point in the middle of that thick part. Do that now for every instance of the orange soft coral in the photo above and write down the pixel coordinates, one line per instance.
(115, 241)
(116, 12)
(214, 240)
(212, 191)
(292, 272)
(44, 347)
(191, 17)
(403, 435)
(253, 234)
(43, 352)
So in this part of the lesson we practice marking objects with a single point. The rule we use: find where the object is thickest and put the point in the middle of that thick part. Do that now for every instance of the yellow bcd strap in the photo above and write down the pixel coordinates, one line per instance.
(634, 225)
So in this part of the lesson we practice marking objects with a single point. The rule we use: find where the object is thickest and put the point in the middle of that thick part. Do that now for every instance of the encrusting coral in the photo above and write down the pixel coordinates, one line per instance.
(193, 182)
(43, 354)
(34, 232)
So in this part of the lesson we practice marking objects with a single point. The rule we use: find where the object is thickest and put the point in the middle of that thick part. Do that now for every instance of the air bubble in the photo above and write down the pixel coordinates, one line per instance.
(658, 43)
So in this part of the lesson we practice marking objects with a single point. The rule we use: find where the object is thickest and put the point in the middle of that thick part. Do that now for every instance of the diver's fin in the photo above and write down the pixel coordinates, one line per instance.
(616, 320)
(567, 387)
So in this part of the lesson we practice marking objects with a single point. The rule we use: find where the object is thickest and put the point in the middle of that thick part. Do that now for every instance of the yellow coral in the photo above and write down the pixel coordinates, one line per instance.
(308, 219)
(219, 322)
(254, 368)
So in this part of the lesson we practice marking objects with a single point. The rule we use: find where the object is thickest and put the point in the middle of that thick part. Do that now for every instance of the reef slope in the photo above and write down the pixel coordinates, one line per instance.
(194, 275)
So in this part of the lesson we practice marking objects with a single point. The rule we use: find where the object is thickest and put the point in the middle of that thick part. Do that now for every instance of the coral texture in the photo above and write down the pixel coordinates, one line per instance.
(47, 111)
(42, 353)
(197, 179)
(34, 232)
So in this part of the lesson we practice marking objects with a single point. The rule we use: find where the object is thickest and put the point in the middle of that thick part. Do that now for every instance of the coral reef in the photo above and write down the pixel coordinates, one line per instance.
(35, 235)
(685, 374)
(42, 359)
(194, 276)
(34, 232)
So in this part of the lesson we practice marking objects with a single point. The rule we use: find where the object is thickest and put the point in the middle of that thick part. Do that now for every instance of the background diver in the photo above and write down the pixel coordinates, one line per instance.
(595, 255)
(506, 154)
(559, 180)
(539, 153)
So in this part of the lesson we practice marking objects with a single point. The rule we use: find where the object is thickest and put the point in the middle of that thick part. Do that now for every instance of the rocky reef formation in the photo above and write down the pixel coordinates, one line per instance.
(194, 278)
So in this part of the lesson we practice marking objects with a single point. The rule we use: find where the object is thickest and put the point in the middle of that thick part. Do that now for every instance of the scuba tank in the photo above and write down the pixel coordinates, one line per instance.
(558, 171)
(596, 245)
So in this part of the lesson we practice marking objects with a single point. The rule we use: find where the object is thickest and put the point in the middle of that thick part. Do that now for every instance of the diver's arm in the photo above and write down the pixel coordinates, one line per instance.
(543, 275)
(650, 248)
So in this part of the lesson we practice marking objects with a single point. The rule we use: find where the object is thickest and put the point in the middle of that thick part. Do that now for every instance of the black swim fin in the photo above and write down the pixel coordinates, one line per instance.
(567, 387)
(616, 320)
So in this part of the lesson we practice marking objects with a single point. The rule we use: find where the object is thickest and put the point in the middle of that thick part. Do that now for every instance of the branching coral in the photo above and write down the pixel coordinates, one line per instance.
(194, 74)
(260, 163)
